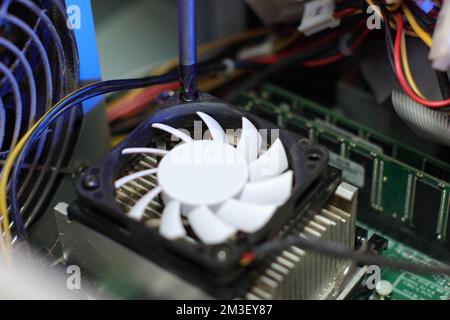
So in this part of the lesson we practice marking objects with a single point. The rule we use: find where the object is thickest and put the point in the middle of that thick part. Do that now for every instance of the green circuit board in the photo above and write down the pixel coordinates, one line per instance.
(408, 286)
(402, 185)
(394, 180)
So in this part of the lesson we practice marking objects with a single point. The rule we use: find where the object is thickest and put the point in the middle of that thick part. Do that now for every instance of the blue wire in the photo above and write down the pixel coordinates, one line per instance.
(60, 108)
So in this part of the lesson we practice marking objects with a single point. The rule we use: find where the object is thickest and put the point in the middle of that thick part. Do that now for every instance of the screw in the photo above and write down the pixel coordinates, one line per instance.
(305, 142)
(80, 170)
(222, 255)
(90, 182)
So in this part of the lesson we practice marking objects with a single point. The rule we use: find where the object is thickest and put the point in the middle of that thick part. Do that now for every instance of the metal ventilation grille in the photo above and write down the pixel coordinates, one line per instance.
(38, 66)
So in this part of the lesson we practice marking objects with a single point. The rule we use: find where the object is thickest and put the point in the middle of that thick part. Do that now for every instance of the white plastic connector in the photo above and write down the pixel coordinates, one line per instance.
(265, 48)
(230, 66)
(440, 52)
(318, 15)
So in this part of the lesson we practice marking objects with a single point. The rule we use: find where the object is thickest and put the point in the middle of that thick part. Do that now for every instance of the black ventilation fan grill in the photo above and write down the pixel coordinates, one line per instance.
(38, 67)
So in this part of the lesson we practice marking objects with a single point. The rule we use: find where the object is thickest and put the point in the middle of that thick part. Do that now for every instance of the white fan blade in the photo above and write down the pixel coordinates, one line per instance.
(137, 212)
(275, 191)
(244, 216)
(270, 164)
(175, 132)
(216, 130)
(171, 224)
(123, 181)
(209, 229)
(154, 151)
(251, 141)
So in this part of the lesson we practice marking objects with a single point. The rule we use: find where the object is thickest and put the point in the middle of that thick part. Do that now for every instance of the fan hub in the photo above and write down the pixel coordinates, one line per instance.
(202, 173)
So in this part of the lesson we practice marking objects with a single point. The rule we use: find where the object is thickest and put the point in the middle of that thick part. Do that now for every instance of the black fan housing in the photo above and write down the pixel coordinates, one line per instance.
(214, 268)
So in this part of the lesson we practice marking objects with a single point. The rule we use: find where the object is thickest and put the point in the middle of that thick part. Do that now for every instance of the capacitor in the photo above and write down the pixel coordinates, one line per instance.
(384, 289)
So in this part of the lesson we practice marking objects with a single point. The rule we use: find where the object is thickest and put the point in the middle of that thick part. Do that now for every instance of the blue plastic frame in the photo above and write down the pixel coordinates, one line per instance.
(90, 69)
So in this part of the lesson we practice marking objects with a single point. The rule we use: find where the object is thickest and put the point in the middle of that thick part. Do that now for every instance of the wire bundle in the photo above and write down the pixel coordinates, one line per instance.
(421, 25)
(401, 75)
(17, 156)
(125, 112)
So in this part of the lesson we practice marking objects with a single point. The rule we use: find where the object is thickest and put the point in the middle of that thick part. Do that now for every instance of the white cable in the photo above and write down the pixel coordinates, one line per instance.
(430, 124)
(230, 66)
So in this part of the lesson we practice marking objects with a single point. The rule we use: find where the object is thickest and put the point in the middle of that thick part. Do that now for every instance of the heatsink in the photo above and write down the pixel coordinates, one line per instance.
(298, 274)
(294, 273)
(130, 175)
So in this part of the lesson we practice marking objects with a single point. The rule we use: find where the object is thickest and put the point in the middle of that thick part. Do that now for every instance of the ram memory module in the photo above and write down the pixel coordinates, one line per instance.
(398, 185)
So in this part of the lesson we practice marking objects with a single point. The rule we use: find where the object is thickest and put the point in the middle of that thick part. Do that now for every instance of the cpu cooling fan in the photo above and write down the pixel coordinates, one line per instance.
(195, 205)
(39, 65)
(219, 188)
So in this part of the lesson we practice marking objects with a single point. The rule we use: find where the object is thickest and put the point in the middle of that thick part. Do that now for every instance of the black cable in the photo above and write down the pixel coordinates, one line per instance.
(127, 125)
(388, 35)
(343, 252)
(319, 246)
(266, 73)
(424, 19)
(74, 99)
(444, 84)
(354, 4)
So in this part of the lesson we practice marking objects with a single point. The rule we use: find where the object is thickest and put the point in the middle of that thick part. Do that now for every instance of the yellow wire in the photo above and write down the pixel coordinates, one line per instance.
(115, 140)
(379, 13)
(202, 49)
(391, 23)
(426, 37)
(406, 67)
(371, 3)
(394, 6)
(9, 164)
(206, 83)
(5, 243)
(286, 42)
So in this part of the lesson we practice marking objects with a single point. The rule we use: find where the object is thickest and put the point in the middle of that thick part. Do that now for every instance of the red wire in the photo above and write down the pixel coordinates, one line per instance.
(401, 76)
(247, 258)
(136, 104)
(323, 62)
(273, 59)
(345, 12)
(337, 56)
